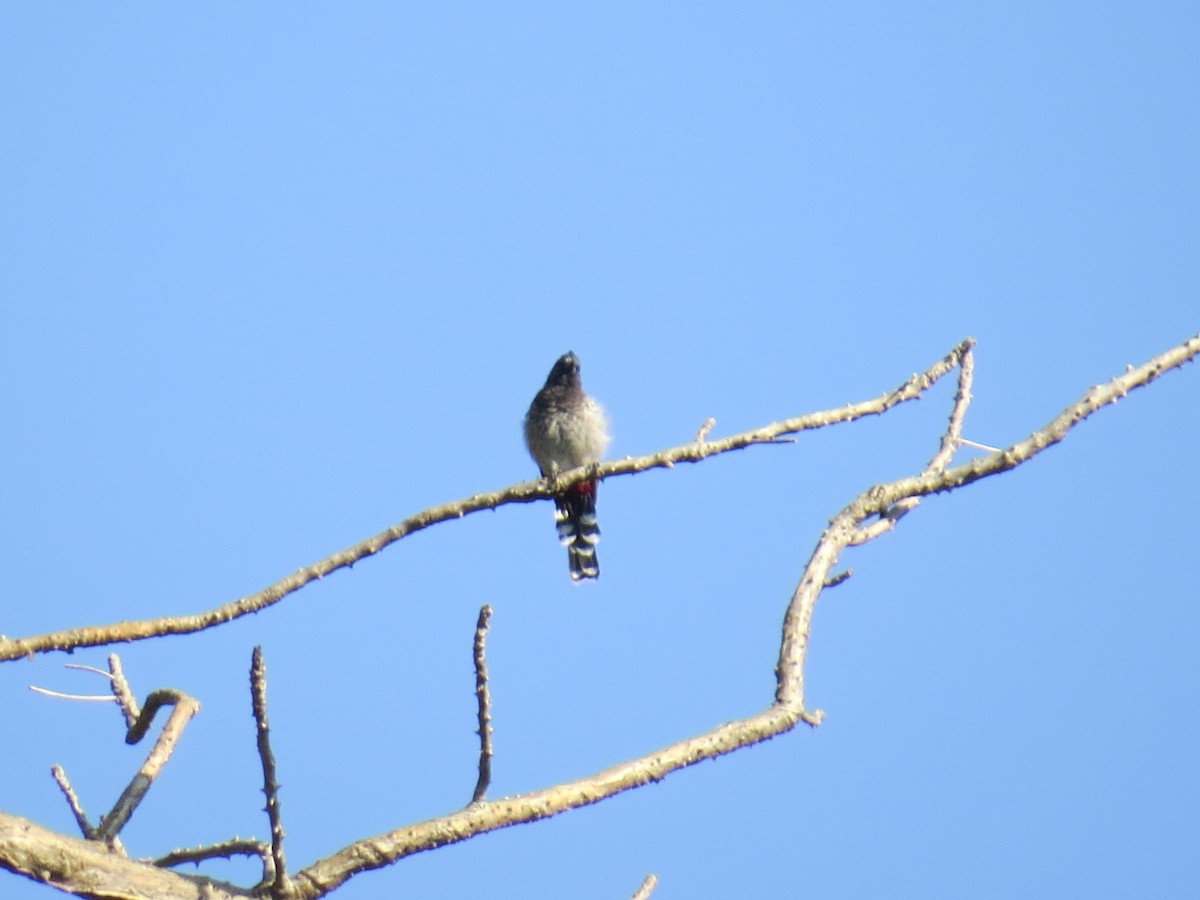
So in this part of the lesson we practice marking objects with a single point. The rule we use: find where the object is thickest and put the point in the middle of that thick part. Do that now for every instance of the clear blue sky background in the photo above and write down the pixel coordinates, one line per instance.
(277, 276)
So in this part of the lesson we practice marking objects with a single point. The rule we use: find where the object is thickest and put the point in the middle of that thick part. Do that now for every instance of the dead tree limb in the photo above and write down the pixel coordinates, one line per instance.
(526, 492)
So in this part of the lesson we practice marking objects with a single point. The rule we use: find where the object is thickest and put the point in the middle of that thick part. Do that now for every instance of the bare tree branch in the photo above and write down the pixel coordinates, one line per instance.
(184, 708)
(962, 399)
(138, 724)
(278, 885)
(843, 529)
(64, 785)
(120, 689)
(484, 696)
(526, 492)
(224, 850)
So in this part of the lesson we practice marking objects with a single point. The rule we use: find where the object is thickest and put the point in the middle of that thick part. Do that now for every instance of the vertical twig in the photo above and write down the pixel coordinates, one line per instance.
(484, 695)
(120, 689)
(952, 437)
(258, 696)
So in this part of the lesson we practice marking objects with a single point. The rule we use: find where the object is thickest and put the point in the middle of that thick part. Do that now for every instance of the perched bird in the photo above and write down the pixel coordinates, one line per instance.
(566, 429)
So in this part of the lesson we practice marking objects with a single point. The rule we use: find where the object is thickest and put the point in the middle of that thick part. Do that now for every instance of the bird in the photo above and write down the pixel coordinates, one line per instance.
(566, 429)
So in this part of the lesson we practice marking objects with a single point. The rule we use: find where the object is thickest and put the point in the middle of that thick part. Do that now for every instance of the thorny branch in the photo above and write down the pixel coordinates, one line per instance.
(224, 850)
(484, 696)
(279, 884)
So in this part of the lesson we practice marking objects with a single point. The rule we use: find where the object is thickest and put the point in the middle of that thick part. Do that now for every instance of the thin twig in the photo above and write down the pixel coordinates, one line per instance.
(525, 492)
(85, 698)
(978, 446)
(951, 439)
(258, 695)
(64, 785)
(647, 888)
(84, 668)
(702, 435)
(224, 850)
(962, 399)
(484, 696)
(121, 690)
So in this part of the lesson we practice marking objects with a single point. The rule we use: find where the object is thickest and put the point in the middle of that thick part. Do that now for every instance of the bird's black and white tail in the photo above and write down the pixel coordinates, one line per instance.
(575, 514)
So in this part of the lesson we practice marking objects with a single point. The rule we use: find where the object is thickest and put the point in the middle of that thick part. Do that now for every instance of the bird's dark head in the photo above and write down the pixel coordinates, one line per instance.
(565, 371)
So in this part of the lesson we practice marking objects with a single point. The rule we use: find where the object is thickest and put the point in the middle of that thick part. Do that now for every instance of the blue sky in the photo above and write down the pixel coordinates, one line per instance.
(275, 278)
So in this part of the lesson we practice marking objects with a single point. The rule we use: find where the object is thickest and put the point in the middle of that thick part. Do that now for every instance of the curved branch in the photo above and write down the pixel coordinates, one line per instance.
(525, 492)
